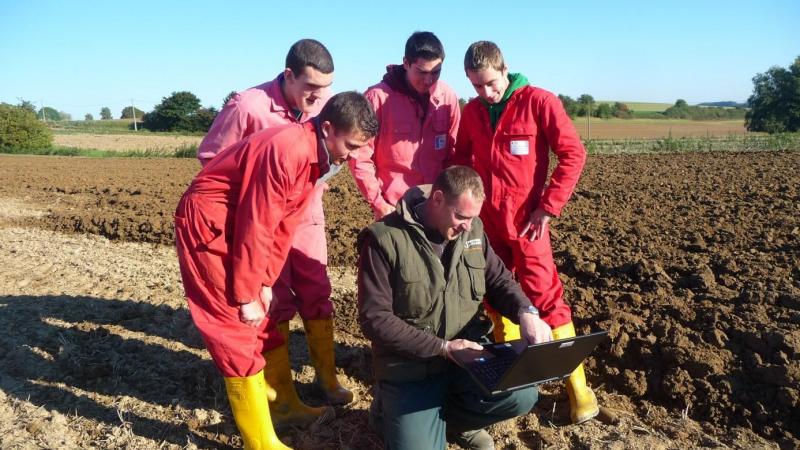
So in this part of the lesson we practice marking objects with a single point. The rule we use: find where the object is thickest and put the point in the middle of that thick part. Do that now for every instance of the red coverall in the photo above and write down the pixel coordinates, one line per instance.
(304, 285)
(513, 163)
(233, 230)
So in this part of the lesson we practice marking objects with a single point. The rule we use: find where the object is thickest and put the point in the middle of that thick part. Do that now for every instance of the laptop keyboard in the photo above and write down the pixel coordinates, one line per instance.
(491, 370)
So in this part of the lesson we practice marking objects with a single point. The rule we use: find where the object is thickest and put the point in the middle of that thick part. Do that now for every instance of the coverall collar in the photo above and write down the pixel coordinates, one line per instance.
(278, 102)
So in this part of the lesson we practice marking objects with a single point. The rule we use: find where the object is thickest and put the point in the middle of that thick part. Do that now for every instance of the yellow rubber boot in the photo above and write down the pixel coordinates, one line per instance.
(504, 329)
(582, 401)
(250, 411)
(288, 409)
(319, 334)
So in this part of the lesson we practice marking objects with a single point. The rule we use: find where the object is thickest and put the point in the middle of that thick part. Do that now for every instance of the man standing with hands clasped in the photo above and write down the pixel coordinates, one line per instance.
(233, 231)
(296, 95)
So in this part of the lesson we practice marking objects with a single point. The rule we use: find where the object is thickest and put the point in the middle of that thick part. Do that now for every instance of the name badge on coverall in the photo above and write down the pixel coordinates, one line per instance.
(439, 142)
(519, 148)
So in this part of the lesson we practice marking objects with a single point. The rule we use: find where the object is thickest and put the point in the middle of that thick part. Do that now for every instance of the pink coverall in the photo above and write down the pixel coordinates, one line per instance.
(233, 227)
(513, 162)
(304, 285)
(411, 145)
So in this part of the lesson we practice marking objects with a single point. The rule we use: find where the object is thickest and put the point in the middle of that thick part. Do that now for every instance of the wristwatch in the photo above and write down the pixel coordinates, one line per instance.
(529, 309)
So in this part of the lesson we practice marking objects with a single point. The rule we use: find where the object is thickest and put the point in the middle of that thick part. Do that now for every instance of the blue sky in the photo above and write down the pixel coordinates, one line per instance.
(79, 56)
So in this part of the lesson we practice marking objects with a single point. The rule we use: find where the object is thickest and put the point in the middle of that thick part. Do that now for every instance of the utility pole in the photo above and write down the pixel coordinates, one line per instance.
(588, 119)
(44, 117)
(133, 111)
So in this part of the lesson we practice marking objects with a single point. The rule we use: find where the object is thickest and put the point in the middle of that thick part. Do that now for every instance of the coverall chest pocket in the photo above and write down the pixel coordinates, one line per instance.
(441, 133)
(412, 298)
(519, 141)
(400, 142)
(476, 273)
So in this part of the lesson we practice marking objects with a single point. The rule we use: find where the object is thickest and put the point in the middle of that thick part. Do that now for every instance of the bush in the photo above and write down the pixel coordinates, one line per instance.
(180, 111)
(127, 113)
(775, 101)
(570, 105)
(49, 114)
(603, 111)
(621, 111)
(20, 129)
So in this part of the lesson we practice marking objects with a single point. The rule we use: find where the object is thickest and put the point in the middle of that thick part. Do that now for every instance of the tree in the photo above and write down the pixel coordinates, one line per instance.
(19, 128)
(621, 111)
(65, 115)
(204, 118)
(25, 104)
(462, 102)
(105, 113)
(88, 117)
(775, 102)
(602, 111)
(228, 98)
(127, 113)
(585, 101)
(570, 105)
(680, 110)
(49, 113)
(180, 111)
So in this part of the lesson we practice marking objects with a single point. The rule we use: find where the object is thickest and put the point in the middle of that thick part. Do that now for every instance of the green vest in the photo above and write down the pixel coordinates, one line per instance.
(446, 302)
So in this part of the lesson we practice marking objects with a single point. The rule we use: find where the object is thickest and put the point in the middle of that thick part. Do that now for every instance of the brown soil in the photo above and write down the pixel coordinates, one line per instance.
(691, 261)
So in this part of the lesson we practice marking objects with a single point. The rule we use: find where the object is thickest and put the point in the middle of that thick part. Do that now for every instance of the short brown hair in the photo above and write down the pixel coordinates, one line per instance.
(484, 55)
(456, 180)
(348, 111)
(309, 52)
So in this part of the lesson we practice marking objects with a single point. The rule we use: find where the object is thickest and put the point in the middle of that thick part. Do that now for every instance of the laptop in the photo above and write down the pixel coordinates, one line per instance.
(515, 365)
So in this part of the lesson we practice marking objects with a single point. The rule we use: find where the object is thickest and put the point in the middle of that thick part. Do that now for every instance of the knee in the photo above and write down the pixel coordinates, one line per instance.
(524, 400)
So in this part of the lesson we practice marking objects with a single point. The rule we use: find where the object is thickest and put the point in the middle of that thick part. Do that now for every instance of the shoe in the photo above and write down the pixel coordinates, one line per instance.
(472, 440)
(582, 401)
(288, 409)
(247, 396)
(504, 329)
(319, 334)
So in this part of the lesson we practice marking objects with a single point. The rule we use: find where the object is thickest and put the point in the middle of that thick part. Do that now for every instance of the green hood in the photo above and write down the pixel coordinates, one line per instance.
(515, 81)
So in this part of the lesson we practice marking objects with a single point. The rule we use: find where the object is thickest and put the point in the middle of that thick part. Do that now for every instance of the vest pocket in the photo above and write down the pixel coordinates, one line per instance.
(476, 266)
(412, 298)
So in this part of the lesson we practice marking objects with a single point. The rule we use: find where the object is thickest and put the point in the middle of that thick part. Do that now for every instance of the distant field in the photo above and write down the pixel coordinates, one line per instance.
(656, 128)
(114, 126)
(123, 142)
(640, 106)
(119, 139)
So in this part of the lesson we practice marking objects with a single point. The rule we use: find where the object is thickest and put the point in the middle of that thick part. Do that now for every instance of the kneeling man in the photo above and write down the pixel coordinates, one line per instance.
(423, 273)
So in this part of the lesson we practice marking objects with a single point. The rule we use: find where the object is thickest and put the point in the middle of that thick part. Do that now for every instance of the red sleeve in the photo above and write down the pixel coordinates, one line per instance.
(462, 153)
(266, 182)
(362, 166)
(566, 144)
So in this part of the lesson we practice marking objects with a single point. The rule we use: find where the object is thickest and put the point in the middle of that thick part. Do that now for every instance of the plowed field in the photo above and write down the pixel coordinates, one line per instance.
(691, 261)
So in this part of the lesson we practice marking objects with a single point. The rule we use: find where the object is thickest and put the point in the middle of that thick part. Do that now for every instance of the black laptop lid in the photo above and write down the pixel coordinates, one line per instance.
(539, 363)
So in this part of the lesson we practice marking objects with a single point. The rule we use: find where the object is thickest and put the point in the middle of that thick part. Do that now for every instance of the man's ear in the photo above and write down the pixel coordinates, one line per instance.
(327, 128)
(437, 196)
(288, 75)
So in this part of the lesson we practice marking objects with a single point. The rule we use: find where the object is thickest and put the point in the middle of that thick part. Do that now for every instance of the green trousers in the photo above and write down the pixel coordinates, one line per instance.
(417, 415)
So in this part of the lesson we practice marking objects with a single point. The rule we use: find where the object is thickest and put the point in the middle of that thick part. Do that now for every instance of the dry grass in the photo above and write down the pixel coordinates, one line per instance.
(122, 142)
(653, 128)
